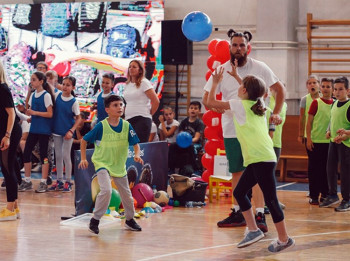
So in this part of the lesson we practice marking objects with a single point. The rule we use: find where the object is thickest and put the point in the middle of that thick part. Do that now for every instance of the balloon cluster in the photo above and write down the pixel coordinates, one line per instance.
(215, 140)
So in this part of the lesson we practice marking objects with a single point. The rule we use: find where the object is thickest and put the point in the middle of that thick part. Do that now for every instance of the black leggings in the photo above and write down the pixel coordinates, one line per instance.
(261, 173)
(32, 139)
(8, 161)
(142, 127)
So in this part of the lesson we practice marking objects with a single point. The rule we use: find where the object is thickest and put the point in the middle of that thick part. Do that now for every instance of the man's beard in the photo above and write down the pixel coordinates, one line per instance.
(241, 60)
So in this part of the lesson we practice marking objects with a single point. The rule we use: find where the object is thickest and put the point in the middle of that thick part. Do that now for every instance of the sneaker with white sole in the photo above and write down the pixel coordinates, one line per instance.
(277, 246)
(344, 206)
(329, 201)
(57, 186)
(42, 188)
(25, 186)
(7, 215)
(251, 237)
(132, 225)
(67, 187)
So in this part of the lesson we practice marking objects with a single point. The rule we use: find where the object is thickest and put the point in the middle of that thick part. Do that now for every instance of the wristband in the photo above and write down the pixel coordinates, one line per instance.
(71, 131)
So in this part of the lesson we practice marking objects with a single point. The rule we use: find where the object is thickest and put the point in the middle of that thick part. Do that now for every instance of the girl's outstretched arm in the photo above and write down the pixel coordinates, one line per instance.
(212, 102)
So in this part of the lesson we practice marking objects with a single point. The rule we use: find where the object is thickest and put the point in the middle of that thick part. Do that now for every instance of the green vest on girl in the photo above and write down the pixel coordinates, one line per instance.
(339, 120)
(321, 122)
(253, 136)
(112, 152)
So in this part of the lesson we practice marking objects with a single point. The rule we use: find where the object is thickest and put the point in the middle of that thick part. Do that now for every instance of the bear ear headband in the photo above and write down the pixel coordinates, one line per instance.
(246, 34)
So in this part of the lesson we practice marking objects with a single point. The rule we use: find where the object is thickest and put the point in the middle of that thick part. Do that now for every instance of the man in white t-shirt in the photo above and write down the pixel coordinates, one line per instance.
(229, 89)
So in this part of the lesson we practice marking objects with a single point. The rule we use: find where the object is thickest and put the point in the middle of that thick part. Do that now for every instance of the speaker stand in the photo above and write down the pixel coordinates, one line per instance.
(177, 93)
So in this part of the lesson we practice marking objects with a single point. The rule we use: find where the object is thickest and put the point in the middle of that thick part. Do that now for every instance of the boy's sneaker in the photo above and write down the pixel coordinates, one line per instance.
(3, 185)
(250, 238)
(132, 225)
(93, 226)
(261, 222)
(276, 246)
(313, 201)
(25, 186)
(329, 201)
(235, 219)
(42, 188)
(57, 186)
(282, 205)
(344, 206)
(67, 187)
(7, 215)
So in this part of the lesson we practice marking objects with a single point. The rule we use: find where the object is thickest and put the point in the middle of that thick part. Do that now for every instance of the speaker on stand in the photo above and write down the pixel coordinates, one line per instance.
(176, 50)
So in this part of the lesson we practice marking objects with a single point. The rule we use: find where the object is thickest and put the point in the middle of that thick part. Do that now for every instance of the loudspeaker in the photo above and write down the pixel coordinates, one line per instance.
(176, 48)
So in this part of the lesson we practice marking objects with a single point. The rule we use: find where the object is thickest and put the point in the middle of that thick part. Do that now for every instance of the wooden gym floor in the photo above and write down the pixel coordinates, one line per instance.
(176, 234)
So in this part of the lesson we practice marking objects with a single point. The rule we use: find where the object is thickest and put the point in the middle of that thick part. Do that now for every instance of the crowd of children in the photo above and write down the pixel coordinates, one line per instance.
(324, 123)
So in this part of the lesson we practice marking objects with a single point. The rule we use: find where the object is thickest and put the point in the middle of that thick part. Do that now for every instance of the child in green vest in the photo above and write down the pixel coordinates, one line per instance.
(258, 154)
(339, 147)
(317, 143)
(112, 138)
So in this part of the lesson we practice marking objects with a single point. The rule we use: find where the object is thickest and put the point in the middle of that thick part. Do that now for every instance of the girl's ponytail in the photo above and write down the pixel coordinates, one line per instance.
(258, 108)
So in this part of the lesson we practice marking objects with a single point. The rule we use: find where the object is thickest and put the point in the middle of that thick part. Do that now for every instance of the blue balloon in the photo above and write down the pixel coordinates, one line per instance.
(197, 26)
(184, 139)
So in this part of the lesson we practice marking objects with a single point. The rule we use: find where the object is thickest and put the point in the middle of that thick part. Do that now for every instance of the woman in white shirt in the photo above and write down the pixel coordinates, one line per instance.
(142, 101)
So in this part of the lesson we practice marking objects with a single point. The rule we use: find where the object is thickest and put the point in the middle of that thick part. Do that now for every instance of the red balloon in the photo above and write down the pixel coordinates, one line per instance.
(208, 161)
(210, 62)
(222, 51)
(211, 118)
(211, 146)
(219, 96)
(63, 69)
(212, 46)
(207, 75)
(206, 174)
(212, 133)
(249, 48)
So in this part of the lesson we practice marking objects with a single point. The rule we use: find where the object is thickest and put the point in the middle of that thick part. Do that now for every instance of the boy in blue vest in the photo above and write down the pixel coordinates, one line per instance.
(112, 138)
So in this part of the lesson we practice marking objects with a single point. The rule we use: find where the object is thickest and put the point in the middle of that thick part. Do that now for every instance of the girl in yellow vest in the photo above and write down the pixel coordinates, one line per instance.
(317, 143)
(112, 137)
(258, 154)
(339, 147)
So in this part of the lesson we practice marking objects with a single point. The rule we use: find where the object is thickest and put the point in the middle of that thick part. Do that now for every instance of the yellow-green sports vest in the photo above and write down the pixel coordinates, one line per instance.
(306, 113)
(277, 136)
(253, 136)
(321, 122)
(339, 120)
(112, 152)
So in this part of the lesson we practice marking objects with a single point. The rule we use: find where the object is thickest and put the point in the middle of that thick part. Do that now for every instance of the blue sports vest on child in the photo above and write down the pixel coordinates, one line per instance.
(40, 125)
(63, 118)
(101, 112)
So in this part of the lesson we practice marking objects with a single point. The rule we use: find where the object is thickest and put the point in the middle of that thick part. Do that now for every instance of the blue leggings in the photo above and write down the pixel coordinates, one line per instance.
(261, 173)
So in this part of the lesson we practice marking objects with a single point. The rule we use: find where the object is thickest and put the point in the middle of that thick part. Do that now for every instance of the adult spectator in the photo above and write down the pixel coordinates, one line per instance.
(142, 101)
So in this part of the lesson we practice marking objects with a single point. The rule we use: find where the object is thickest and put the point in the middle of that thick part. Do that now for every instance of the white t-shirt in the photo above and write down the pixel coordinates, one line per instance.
(237, 108)
(229, 88)
(171, 139)
(47, 98)
(137, 102)
(154, 130)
